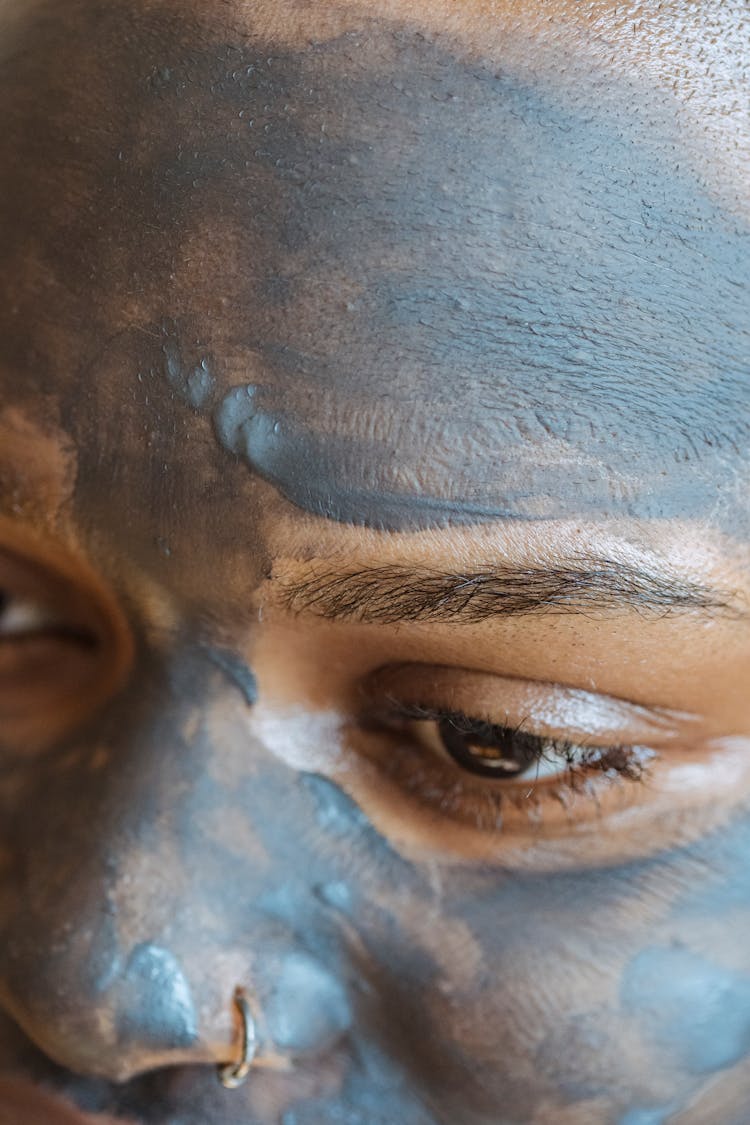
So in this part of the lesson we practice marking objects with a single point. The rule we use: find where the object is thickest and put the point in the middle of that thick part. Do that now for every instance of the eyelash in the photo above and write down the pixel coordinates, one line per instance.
(479, 799)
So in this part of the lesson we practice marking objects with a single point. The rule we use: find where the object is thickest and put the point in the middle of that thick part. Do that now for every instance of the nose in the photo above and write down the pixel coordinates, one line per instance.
(145, 893)
(98, 1015)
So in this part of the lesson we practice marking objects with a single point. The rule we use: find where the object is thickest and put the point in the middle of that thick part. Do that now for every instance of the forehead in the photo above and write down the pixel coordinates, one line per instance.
(406, 283)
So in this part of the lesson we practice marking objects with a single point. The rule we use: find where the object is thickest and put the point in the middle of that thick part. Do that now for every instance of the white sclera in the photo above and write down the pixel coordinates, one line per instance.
(21, 616)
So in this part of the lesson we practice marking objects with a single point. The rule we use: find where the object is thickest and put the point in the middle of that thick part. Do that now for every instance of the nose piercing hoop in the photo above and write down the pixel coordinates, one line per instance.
(232, 1075)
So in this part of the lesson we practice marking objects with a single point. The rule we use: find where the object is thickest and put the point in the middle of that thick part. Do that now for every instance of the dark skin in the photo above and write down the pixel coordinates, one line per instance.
(407, 688)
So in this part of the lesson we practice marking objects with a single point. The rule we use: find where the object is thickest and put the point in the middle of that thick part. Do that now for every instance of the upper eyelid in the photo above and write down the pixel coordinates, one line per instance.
(419, 711)
(466, 723)
(620, 723)
(554, 705)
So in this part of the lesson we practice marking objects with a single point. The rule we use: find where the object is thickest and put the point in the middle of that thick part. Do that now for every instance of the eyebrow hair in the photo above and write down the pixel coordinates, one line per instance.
(393, 594)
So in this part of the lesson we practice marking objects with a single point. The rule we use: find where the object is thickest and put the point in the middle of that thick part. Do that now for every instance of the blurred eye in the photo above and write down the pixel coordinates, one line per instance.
(21, 616)
(56, 652)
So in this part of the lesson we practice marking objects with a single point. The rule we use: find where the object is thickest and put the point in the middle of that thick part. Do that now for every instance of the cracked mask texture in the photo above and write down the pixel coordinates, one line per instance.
(458, 296)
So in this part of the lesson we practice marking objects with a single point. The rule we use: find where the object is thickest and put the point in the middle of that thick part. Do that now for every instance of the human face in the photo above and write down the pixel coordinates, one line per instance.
(375, 547)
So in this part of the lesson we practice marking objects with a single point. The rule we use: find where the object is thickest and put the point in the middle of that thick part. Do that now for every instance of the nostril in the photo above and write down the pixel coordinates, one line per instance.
(101, 1010)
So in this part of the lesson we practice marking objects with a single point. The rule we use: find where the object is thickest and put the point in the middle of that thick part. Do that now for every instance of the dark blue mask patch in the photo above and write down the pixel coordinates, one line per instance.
(425, 289)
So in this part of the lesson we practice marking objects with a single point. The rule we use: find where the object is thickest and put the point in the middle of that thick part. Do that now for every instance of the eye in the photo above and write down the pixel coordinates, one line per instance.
(57, 652)
(463, 763)
(504, 778)
(501, 752)
(25, 617)
(508, 754)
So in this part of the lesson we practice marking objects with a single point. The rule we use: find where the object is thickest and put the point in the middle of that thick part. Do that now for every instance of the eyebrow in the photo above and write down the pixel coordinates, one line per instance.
(393, 594)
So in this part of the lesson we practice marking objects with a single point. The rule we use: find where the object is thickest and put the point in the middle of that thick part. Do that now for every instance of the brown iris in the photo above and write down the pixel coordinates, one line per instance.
(488, 750)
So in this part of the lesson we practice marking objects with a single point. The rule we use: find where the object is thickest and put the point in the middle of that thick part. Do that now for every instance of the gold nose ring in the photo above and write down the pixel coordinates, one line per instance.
(232, 1075)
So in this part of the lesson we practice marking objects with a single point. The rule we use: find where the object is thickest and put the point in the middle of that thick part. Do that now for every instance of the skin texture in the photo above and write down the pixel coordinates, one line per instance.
(303, 292)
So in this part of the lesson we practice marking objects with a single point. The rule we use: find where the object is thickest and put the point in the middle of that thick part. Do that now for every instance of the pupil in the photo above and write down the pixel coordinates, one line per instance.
(490, 751)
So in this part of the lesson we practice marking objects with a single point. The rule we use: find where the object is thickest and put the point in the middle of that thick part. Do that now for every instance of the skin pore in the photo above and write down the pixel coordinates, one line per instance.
(374, 383)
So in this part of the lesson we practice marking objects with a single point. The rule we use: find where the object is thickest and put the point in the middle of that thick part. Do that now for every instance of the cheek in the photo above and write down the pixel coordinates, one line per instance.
(590, 993)
(690, 1005)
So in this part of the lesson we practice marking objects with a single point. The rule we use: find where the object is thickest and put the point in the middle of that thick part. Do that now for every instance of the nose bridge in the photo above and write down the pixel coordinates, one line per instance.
(147, 893)
(124, 813)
